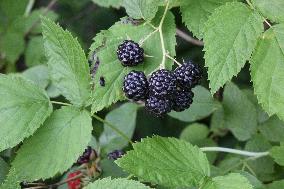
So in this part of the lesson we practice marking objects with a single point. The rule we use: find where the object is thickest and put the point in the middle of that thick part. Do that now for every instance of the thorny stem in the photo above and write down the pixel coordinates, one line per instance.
(113, 128)
(60, 103)
(169, 57)
(234, 151)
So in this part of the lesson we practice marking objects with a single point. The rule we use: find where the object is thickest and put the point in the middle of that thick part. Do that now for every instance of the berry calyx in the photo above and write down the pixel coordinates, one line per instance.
(135, 86)
(130, 53)
(158, 107)
(115, 154)
(188, 75)
(182, 100)
(162, 84)
(86, 156)
(74, 183)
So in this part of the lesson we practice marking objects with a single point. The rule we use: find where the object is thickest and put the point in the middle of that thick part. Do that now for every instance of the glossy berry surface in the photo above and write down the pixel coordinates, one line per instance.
(135, 86)
(115, 154)
(130, 53)
(76, 183)
(162, 84)
(86, 156)
(158, 107)
(182, 100)
(188, 75)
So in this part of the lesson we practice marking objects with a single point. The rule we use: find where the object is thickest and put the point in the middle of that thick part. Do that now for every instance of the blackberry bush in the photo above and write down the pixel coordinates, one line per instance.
(130, 53)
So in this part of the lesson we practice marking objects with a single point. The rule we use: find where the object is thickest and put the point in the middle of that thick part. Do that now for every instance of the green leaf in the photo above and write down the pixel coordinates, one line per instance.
(276, 185)
(110, 169)
(55, 146)
(34, 54)
(273, 9)
(166, 161)
(196, 13)
(203, 105)
(110, 68)
(13, 9)
(230, 37)
(268, 83)
(217, 123)
(67, 63)
(120, 183)
(109, 3)
(277, 153)
(239, 113)
(4, 168)
(12, 181)
(194, 133)
(124, 119)
(23, 108)
(38, 75)
(137, 9)
(273, 129)
(231, 181)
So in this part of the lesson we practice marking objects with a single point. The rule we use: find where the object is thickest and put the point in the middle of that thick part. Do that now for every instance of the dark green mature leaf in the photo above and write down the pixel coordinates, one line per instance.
(11, 182)
(194, 133)
(231, 181)
(67, 63)
(4, 168)
(55, 146)
(38, 74)
(275, 185)
(110, 169)
(141, 9)
(230, 37)
(23, 108)
(120, 183)
(240, 114)
(109, 3)
(272, 9)
(277, 153)
(110, 68)
(273, 129)
(124, 119)
(13, 9)
(268, 83)
(196, 13)
(166, 161)
(203, 105)
(34, 54)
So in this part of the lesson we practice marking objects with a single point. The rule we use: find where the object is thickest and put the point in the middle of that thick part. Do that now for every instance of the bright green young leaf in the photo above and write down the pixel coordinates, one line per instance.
(230, 37)
(231, 181)
(38, 74)
(55, 146)
(268, 83)
(196, 13)
(166, 161)
(67, 63)
(264, 165)
(23, 108)
(109, 3)
(203, 105)
(194, 133)
(106, 43)
(239, 113)
(275, 185)
(277, 153)
(273, 129)
(141, 9)
(272, 9)
(120, 183)
(4, 168)
(34, 54)
(124, 119)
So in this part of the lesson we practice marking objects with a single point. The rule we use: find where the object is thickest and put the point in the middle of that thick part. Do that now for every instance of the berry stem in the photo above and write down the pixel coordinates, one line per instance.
(119, 132)
(173, 59)
(61, 103)
(234, 151)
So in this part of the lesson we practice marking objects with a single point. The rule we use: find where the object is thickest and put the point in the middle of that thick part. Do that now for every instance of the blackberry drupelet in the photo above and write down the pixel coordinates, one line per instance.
(182, 100)
(188, 75)
(115, 154)
(130, 53)
(135, 86)
(158, 107)
(162, 84)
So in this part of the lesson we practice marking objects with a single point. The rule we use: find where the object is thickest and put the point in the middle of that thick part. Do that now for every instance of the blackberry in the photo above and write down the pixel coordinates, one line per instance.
(188, 75)
(130, 53)
(135, 86)
(86, 156)
(102, 81)
(115, 154)
(162, 84)
(182, 100)
(158, 107)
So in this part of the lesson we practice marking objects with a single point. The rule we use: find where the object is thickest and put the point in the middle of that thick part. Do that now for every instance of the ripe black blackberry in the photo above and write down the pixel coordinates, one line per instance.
(188, 75)
(162, 84)
(87, 155)
(182, 100)
(158, 106)
(130, 53)
(135, 86)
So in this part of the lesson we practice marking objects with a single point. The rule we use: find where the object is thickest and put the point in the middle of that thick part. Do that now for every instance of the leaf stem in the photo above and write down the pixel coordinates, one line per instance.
(60, 103)
(141, 42)
(113, 128)
(252, 7)
(234, 151)
(29, 7)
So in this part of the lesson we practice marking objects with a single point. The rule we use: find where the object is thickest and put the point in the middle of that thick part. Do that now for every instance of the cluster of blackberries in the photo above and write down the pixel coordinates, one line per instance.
(165, 90)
